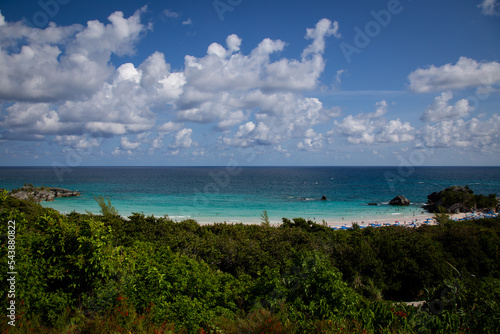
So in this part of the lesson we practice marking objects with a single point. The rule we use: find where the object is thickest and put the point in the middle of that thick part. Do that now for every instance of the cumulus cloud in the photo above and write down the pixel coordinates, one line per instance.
(66, 86)
(226, 87)
(127, 145)
(441, 110)
(280, 116)
(249, 134)
(59, 63)
(169, 127)
(312, 142)
(183, 139)
(62, 83)
(324, 28)
(373, 128)
(475, 134)
(84, 142)
(122, 105)
(465, 73)
(489, 7)
(226, 69)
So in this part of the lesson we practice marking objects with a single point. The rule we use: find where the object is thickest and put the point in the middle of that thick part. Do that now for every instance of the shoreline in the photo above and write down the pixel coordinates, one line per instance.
(363, 220)
(427, 218)
(411, 216)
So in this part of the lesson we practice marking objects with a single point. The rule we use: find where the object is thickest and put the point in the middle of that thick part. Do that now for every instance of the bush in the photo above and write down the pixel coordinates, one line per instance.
(103, 273)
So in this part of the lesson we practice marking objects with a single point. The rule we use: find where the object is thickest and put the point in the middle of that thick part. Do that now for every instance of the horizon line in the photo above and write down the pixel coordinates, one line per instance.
(254, 166)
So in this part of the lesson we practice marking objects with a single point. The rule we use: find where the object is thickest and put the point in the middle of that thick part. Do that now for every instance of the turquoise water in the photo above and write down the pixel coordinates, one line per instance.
(216, 194)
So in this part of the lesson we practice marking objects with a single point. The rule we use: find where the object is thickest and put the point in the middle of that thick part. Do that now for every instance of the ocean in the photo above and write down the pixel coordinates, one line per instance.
(241, 194)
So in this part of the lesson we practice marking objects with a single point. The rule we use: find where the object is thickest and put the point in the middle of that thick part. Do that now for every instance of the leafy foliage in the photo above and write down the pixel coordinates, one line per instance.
(143, 274)
(460, 198)
(264, 218)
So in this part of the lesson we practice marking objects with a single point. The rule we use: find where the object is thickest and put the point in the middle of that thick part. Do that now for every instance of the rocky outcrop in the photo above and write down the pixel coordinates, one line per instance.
(459, 199)
(39, 194)
(400, 200)
(323, 198)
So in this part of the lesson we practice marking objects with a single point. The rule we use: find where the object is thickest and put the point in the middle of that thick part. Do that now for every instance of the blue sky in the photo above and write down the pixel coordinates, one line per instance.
(249, 82)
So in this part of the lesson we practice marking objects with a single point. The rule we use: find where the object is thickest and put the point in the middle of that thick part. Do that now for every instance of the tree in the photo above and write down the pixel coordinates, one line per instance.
(107, 210)
(264, 218)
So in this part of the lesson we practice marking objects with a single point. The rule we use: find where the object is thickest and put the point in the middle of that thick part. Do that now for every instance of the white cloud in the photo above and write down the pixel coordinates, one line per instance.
(311, 143)
(233, 43)
(279, 149)
(199, 152)
(188, 22)
(83, 142)
(440, 110)
(396, 131)
(280, 116)
(183, 139)
(373, 128)
(170, 127)
(324, 28)
(225, 69)
(63, 62)
(242, 137)
(226, 86)
(116, 151)
(465, 73)
(232, 118)
(127, 145)
(250, 98)
(171, 14)
(338, 79)
(122, 105)
(156, 144)
(473, 134)
(489, 7)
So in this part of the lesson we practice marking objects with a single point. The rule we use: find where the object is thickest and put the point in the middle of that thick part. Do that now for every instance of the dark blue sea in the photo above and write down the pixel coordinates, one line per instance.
(232, 194)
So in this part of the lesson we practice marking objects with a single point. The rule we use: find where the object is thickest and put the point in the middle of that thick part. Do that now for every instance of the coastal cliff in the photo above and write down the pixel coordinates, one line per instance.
(458, 199)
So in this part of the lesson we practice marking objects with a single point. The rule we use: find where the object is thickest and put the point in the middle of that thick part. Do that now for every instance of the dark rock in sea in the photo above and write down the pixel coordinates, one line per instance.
(372, 204)
(400, 200)
(323, 198)
(39, 194)
(459, 199)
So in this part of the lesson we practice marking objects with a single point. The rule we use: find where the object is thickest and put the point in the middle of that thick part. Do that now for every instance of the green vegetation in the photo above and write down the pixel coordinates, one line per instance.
(83, 273)
(264, 218)
(460, 199)
(470, 200)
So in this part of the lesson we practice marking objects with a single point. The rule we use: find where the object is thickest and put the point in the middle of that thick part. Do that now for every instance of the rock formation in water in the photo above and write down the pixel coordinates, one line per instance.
(459, 199)
(400, 200)
(39, 194)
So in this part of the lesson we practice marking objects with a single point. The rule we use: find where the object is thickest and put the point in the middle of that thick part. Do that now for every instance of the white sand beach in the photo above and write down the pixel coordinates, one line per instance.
(403, 220)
